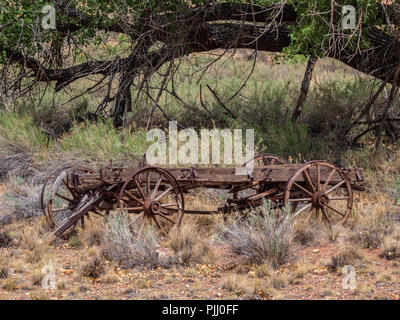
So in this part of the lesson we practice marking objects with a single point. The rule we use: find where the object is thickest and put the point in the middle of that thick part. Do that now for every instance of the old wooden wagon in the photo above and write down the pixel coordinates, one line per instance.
(153, 194)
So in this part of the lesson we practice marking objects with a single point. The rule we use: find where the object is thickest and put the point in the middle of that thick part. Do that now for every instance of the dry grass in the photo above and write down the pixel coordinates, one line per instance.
(235, 284)
(348, 255)
(188, 245)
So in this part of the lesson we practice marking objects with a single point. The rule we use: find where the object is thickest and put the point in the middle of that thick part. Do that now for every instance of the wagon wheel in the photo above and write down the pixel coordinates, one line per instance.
(265, 159)
(153, 194)
(320, 188)
(59, 200)
(46, 190)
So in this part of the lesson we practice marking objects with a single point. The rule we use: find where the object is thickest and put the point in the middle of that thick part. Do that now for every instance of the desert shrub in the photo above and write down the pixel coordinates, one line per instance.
(124, 244)
(93, 268)
(37, 277)
(303, 233)
(5, 240)
(10, 284)
(261, 237)
(391, 249)
(74, 241)
(345, 256)
(278, 281)
(4, 273)
(187, 244)
(21, 200)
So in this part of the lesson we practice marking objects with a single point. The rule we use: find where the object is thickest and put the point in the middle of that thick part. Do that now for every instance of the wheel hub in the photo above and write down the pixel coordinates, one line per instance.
(320, 199)
(152, 207)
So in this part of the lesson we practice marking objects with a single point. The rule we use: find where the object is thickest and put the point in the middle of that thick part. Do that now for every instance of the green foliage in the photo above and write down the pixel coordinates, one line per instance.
(318, 20)
(22, 21)
(21, 132)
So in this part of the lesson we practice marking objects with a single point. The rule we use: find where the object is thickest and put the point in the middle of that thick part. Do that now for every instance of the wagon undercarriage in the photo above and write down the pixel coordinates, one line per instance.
(316, 188)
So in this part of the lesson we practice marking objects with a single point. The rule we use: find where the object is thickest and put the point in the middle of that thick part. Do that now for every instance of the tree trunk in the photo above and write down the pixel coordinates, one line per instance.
(123, 100)
(305, 86)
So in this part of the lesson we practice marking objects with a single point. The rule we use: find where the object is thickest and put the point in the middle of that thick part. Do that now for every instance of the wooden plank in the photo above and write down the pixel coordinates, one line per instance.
(221, 177)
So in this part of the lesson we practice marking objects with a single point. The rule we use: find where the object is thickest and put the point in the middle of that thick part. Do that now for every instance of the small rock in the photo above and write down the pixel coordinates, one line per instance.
(68, 271)
(316, 251)
(252, 274)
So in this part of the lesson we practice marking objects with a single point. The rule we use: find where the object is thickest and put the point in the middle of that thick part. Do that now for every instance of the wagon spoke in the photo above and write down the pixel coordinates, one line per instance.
(318, 214)
(302, 209)
(303, 189)
(329, 179)
(159, 225)
(168, 211)
(169, 205)
(308, 179)
(139, 188)
(326, 215)
(64, 197)
(334, 209)
(318, 176)
(134, 209)
(156, 188)
(148, 183)
(166, 218)
(339, 198)
(69, 189)
(163, 194)
(137, 218)
(301, 200)
(141, 228)
(133, 197)
(336, 186)
(62, 209)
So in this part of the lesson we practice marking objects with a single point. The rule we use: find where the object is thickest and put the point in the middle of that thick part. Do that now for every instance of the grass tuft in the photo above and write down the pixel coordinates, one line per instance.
(124, 244)
(261, 237)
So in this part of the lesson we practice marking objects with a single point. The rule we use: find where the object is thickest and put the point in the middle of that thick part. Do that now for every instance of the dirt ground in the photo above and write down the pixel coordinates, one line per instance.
(226, 276)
